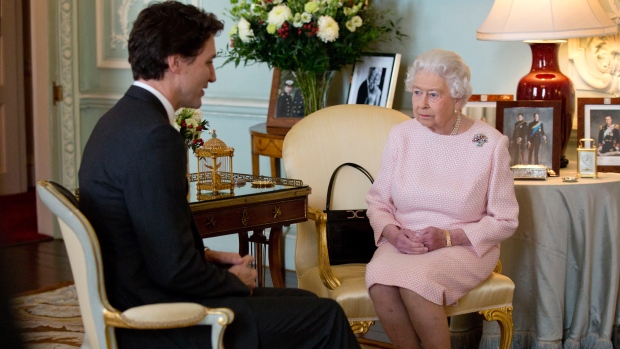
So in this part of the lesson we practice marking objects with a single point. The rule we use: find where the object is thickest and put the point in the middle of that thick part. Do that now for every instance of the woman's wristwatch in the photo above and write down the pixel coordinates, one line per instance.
(448, 239)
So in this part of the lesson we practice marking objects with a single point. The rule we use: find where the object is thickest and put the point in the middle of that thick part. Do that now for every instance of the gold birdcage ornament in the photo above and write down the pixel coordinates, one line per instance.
(215, 166)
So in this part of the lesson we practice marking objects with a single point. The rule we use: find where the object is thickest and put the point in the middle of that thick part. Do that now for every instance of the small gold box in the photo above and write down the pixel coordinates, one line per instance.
(529, 172)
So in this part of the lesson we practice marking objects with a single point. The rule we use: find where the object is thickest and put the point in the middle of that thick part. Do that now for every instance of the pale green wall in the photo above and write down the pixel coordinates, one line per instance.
(239, 98)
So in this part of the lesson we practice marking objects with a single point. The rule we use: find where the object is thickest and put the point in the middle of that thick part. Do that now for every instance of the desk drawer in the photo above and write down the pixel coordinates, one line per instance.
(250, 217)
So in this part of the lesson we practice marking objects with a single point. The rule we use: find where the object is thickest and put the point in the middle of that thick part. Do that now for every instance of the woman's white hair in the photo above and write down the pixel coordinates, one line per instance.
(448, 65)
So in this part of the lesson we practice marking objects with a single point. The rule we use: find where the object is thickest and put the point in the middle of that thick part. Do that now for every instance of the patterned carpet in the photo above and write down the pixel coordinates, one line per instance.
(51, 318)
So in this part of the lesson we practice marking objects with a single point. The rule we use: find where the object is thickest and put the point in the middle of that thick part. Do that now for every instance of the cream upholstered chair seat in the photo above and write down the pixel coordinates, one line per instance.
(312, 149)
(352, 294)
(98, 316)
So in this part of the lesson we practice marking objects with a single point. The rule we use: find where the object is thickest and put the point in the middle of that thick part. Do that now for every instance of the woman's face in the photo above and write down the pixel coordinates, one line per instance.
(433, 106)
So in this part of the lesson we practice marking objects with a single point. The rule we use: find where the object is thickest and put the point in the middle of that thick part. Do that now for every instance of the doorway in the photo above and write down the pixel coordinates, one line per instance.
(16, 137)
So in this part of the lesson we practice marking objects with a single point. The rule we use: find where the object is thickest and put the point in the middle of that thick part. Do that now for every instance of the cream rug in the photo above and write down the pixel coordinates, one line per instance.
(51, 318)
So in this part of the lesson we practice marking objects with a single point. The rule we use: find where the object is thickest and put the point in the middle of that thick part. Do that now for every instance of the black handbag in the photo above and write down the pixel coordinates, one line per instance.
(350, 238)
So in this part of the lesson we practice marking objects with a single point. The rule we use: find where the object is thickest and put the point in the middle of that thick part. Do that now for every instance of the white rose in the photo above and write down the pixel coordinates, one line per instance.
(297, 22)
(306, 17)
(245, 32)
(328, 29)
(357, 21)
(278, 15)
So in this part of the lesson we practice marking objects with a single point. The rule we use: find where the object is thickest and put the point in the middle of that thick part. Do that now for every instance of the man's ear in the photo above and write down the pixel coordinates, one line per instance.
(174, 63)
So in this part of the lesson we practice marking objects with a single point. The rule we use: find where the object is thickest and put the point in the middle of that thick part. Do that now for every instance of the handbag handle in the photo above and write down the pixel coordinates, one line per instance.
(331, 180)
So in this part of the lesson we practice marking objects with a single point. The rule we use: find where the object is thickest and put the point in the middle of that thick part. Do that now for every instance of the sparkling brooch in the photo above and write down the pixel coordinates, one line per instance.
(480, 139)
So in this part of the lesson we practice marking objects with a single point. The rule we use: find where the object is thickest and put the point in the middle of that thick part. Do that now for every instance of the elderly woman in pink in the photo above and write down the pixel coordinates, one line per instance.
(440, 206)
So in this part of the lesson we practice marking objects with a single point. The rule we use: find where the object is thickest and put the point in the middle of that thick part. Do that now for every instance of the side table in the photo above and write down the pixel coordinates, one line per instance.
(267, 141)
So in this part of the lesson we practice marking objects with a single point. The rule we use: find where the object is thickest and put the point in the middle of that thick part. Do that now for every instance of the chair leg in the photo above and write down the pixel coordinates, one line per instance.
(503, 316)
(360, 327)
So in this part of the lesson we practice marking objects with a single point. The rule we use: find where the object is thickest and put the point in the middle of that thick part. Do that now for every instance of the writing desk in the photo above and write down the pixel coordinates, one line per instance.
(564, 259)
(252, 209)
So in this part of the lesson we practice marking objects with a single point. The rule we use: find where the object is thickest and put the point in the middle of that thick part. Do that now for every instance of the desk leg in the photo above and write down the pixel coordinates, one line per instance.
(243, 243)
(276, 253)
(275, 167)
(259, 241)
(255, 165)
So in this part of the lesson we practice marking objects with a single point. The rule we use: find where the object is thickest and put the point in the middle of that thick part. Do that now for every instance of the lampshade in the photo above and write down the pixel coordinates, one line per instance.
(517, 20)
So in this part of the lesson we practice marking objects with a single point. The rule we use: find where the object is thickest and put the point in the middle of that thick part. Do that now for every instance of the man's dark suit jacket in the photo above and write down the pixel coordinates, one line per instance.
(133, 189)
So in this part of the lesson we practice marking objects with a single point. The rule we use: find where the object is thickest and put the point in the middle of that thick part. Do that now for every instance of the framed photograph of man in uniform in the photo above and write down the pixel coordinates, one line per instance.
(374, 79)
(533, 128)
(286, 103)
(599, 119)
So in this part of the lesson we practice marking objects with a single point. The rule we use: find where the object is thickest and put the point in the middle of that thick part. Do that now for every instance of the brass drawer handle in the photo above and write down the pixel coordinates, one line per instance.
(244, 217)
(210, 222)
(276, 212)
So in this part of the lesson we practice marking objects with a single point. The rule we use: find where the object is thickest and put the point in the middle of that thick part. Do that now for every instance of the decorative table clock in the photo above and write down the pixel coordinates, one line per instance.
(586, 159)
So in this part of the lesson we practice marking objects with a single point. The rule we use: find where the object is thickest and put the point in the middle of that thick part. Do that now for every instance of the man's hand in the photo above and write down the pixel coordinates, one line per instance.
(404, 240)
(225, 258)
(244, 272)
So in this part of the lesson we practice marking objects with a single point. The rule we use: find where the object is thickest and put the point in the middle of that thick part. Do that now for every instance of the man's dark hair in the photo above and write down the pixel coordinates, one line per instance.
(165, 29)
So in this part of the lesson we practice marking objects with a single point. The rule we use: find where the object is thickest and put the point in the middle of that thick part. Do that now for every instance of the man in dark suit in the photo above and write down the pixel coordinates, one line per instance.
(535, 137)
(133, 189)
(519, 136)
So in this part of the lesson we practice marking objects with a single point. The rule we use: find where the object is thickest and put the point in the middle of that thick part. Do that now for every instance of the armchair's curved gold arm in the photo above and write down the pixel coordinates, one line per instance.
(325, 270)
(498, 267)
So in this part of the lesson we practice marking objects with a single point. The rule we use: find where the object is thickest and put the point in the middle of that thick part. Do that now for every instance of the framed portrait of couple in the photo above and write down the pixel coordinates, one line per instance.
(374, 79)
(599, 119)
(533, 128)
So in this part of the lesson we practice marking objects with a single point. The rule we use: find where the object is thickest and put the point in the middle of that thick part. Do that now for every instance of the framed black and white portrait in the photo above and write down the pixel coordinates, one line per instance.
(374, 79)
(599, 119)
(533, 128)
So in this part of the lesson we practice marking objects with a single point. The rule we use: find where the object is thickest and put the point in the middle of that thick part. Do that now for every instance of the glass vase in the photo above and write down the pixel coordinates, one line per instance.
(314, 87)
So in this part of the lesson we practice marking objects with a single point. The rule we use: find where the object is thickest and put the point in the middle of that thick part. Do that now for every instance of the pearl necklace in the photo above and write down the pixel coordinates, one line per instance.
(455, 130)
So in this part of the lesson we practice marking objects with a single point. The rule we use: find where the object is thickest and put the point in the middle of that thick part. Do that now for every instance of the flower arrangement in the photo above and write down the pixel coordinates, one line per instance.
(190, 124)
(307, 37)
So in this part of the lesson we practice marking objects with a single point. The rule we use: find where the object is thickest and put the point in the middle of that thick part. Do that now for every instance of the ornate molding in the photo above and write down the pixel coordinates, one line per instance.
(66, 109)
(595, 61)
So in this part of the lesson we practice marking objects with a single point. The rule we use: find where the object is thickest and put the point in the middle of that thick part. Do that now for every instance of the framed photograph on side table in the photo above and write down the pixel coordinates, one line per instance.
(483, 107)
(374, 79)
(599, 119)
(286, 103)
(533, 128)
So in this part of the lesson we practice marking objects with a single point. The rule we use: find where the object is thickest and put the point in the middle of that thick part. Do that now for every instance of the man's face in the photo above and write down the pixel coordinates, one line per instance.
(535, 117)
(288, 89)
(520, 117)
(195, 76)
(608, 120)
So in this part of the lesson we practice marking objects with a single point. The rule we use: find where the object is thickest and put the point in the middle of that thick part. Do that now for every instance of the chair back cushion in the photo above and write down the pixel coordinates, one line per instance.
(322, 141)
(85, 259)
